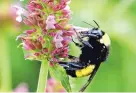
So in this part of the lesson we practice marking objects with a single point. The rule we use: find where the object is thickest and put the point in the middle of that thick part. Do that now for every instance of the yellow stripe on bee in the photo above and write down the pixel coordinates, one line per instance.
(105, 40)
(85, 71)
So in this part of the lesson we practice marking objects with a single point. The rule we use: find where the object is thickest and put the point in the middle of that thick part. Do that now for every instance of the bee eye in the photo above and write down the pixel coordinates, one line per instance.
(97, 34)
(94, 32)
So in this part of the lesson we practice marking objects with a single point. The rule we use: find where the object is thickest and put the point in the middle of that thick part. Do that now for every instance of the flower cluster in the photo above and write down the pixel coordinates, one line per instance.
(50, 32)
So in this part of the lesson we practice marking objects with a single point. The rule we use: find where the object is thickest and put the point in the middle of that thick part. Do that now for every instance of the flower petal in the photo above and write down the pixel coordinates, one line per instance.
(50, 22)
(19, 19)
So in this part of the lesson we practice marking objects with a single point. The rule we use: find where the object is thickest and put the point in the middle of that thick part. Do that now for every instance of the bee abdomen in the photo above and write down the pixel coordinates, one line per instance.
(85, 71)
(71, 73)
(81, 72)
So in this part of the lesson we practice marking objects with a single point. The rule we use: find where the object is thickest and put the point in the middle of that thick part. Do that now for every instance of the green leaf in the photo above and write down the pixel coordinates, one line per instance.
(60, 74)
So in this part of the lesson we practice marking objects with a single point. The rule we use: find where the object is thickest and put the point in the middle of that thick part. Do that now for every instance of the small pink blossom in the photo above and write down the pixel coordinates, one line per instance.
(22, 87)
(66, 10)
(28, 45)
(30, 31)
(54, 86)
(27, 22)
(65, 1)
(37, 54)
(52, 34)
(19, 12)
(59, 44)
(58, 39)
(31, 45)
(50, 22)
(40, 38)
(61, 52)
(35, 18)
(19, 19)
(57, 26)
(68, 33)
(34, 5)
(45, 50)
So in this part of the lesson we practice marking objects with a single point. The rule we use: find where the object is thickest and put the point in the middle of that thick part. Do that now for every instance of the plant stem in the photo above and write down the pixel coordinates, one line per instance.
(5, 69)
(43, 76)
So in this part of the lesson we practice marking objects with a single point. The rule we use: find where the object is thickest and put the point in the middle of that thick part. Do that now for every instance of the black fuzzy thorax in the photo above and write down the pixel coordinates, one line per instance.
(94, 55)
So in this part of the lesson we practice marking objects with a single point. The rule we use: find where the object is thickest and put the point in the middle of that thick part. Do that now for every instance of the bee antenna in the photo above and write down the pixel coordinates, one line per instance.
(96, 24)
(88, 24)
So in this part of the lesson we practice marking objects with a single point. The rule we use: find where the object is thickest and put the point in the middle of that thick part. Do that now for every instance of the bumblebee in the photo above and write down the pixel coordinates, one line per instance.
(94, 51)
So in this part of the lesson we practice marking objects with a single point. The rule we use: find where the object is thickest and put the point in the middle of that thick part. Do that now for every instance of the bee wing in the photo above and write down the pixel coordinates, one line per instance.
(80, 29)
(71, 65)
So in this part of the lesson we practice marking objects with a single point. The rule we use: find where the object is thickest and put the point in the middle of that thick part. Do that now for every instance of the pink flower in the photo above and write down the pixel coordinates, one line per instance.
(65, 1)
(58, 39)
(54, 86)
(28, 45)
(34, 5)
(30, 31)
(50, 21)
(66, 10)
(31, 45)
(20, 11)
(22, 87)
(35, 18)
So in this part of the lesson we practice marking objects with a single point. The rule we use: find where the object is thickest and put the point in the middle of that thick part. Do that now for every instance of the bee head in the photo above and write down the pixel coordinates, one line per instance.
(95, 33)
(99, 36)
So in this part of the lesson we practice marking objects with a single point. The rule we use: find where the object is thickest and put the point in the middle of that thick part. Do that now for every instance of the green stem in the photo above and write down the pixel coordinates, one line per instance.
(43, 76)
(5, 69)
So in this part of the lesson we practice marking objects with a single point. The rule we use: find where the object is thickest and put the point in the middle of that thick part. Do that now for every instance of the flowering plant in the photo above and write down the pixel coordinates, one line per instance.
(49, 35)
(50, 32)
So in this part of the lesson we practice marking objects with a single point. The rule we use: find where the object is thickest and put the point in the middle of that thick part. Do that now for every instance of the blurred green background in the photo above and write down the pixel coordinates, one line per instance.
(116, 17)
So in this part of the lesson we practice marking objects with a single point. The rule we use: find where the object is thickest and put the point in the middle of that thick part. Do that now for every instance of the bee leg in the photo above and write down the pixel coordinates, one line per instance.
(71, 65)
(86, 85)
(73, 58)
(77, 44)
(90, 78)
(86, 43)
